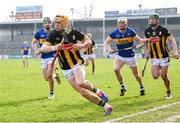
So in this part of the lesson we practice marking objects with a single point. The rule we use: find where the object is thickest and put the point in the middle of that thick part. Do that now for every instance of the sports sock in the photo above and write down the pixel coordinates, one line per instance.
(106, 106)
(122, 86)
(102, 103)
(94, 90)
(51, 91)
(168, 92)
(141, 87)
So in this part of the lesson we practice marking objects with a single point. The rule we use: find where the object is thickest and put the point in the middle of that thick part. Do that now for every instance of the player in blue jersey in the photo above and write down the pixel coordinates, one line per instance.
(124, 37)
(46, 58)
(25, 51)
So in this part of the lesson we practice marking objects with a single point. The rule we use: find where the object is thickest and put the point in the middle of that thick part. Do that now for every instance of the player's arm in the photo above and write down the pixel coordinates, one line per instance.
(140, 40)
(48, 47)
(94, 45)
(86, 42)
(146, 48)
(107, 44)
(174, 46)
(34, 46)
(29, 52)
(22, 51)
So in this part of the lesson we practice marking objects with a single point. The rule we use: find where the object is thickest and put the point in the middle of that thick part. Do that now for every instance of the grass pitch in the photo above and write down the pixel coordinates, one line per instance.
(23, 94)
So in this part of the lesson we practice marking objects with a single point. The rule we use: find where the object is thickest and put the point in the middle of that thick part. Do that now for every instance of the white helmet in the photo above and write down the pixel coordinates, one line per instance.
(122, 19)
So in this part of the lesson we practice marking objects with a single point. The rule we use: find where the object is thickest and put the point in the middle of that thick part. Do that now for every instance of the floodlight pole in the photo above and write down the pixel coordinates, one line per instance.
(72, 13)
(165, 15)
(104, 34)
(12, 28)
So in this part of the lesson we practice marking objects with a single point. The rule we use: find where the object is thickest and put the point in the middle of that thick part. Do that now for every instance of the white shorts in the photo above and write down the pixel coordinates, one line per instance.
(89, 56)
(130, 61)
(160, 62)
(45, 62)
(25, 56)
(70, 73)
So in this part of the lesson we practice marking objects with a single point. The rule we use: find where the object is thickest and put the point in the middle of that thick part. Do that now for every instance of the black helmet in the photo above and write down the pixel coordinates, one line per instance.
(154, 15)
(47, 19)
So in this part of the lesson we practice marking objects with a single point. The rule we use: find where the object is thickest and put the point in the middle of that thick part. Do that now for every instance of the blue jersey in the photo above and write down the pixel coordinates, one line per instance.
(41, 36)
(25, 49)
(124, 40)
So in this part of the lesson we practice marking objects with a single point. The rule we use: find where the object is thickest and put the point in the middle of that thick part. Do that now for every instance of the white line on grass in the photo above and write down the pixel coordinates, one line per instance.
(172, 118)
(140, 113)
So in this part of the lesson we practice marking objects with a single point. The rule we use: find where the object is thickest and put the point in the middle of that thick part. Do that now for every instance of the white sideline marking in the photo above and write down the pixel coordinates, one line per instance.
(140, 113)
(170, 119)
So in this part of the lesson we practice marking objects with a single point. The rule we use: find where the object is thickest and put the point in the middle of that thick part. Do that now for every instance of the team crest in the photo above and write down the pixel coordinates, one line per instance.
(117, 36)
(73, 37)
(154, 33)
(57, 38)
(128, 34)
(160, 33)
(42, 36)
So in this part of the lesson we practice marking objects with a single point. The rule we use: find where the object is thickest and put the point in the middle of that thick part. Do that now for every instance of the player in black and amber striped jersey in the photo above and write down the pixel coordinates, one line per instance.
(157, 50)
(89, 53)
(71, 61)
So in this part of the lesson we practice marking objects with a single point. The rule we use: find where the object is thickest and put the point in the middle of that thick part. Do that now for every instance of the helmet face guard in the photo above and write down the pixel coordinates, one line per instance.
(64, 21)
(122, 19)
(154, 19)
(47, 19)
(154, 16)
(122, 23)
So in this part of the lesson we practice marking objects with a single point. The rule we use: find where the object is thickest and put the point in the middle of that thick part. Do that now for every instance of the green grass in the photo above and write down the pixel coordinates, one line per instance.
(23, 93)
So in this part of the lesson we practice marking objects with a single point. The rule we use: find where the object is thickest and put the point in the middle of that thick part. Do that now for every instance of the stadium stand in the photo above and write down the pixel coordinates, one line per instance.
(12, 34)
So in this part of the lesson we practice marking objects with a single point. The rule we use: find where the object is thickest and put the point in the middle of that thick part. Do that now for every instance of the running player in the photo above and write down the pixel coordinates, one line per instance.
(124, 37)
(25, 51)
(89, 55)
(71, 61)
(46, 58)
(159, 37)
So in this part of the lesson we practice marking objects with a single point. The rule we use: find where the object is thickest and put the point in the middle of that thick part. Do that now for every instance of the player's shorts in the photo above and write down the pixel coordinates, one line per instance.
(130, 61)
(45, 62)
(161, 62)
(25, 56)
(70, 73)
(88, 56)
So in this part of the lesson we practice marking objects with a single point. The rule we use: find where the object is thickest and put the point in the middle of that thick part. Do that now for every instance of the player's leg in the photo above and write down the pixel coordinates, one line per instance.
(93, 64)
(89, 95)
(50, 79)
(27, 63)
(79, 74)
(164, 70)
(155, 68)
(86, 60)
(24, 64)
(138, 78)
(47, 77)
(56, 74)
(118, 64)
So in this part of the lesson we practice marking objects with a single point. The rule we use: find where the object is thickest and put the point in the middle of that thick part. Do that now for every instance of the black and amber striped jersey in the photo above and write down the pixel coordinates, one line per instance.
(158, 46)
(67, 58)
(89, 50)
